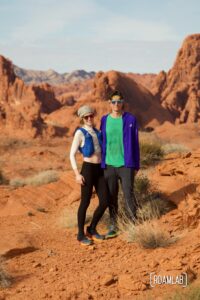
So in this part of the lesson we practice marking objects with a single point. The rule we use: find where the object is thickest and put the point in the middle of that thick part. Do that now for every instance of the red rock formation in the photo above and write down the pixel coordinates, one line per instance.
(147, 79)
(21, 105)
(179, 89)
(140, 100)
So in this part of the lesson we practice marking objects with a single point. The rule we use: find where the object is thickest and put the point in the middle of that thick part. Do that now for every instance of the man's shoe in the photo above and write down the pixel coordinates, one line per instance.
(111, 234)
(85, 241)
(94, 235)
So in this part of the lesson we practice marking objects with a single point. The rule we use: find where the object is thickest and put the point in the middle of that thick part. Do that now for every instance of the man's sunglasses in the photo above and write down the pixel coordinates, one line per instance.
(117, 101)
(88, 117)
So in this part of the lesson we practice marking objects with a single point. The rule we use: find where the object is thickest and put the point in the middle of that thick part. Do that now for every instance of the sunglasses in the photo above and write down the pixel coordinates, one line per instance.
(117, 101)
(88, 117)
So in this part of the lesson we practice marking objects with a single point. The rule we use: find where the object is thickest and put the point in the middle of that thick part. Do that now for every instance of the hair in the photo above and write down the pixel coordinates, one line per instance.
(116, 93)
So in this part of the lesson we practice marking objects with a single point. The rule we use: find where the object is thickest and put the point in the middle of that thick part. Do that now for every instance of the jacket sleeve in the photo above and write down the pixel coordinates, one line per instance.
(101, 124)
(136, 148)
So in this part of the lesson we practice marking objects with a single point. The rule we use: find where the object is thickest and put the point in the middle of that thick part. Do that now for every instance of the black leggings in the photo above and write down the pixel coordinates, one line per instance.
(93, 175)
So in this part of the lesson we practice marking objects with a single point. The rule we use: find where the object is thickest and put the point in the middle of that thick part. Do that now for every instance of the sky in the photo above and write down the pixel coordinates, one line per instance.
(140, 36)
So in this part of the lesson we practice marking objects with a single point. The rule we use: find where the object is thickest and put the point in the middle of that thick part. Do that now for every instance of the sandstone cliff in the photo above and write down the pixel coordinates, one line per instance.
(179, 89)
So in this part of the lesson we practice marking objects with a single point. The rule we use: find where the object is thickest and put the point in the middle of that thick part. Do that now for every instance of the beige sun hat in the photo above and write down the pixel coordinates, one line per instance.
(85, 110)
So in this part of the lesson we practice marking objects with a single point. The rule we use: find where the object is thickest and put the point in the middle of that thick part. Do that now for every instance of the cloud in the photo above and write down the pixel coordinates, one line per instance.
(132, 56)
(125, 28)
(50, 18)
(36, 21)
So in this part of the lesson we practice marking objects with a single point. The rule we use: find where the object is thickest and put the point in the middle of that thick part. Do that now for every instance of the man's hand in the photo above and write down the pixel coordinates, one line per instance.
(80, 179)
(135, 172)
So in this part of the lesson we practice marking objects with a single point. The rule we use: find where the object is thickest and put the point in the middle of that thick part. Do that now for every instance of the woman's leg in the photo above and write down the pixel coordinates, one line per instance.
(102, 193)
(86, 193)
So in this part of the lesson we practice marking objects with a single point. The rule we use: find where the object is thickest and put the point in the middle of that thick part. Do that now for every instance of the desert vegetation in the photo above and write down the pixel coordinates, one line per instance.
(3, 179)
(41, 178)
(191, 293)
(5, 278)
(144, 229)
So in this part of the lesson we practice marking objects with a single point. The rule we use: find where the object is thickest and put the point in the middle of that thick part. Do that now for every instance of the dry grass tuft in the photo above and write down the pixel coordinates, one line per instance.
(147, 233)
(191, 293)
(150, 153)
(175, 148)
(68, 218)
(41, 178)
(145, 229)
(5, 278)
(3, 179)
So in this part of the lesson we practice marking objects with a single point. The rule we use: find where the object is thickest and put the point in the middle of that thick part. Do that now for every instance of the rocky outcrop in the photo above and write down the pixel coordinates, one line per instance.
(179, 89)
(96, 92)
(22, 106)
(139, 100)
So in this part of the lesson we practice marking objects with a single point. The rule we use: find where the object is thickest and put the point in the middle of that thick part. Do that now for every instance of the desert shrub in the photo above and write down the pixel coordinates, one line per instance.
(154, 204)
(5, 278)
(150, 235)
(105, 220)
(3, 179)
(147, 233)
(41, 209)
(126, 226)
(68, 218)
(144, 229)
(174, 148)
(150, 201)
(41, 178)
(13, 143)
(150, 152)
(141, 185)
(191, 293)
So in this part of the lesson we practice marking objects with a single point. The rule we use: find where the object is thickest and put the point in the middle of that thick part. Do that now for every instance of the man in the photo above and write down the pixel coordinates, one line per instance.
(120, 157)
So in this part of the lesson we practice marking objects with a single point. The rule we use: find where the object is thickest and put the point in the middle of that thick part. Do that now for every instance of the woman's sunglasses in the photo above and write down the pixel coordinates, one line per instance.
(88, 117)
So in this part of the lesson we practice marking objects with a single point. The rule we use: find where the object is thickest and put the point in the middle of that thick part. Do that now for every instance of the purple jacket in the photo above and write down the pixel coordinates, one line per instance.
(130, 141)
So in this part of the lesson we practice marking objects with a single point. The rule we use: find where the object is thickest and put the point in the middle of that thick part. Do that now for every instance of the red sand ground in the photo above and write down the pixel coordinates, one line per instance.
(47, 262)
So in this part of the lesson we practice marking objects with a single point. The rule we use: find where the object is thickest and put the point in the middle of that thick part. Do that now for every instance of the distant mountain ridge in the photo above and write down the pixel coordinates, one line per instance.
(50, 76)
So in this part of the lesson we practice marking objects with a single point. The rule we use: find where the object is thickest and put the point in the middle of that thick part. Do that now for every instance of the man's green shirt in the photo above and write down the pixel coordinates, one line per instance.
(114, 142)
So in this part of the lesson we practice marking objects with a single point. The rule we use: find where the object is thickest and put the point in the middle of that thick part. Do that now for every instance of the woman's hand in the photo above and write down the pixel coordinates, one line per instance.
(80, 179)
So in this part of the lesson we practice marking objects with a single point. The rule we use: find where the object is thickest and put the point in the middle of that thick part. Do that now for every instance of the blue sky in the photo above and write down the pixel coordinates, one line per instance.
(127, 35)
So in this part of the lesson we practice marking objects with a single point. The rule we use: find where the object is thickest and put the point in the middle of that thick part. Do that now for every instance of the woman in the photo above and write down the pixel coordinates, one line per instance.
(87, 140)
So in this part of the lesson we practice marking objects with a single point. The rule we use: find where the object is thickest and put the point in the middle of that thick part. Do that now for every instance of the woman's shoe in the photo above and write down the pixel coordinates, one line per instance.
(85, 241)
(93, 234)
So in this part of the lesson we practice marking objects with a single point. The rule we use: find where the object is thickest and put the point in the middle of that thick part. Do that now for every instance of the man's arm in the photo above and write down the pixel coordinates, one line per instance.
(136, 148)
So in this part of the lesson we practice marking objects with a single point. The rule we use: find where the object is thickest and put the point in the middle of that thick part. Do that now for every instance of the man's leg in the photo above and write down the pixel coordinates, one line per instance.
(113, 188)
(126, 176)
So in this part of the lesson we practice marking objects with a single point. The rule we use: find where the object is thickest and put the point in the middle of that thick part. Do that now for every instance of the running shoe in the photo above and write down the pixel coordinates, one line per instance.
(85, 241)
(112, 232)
(94, 235)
